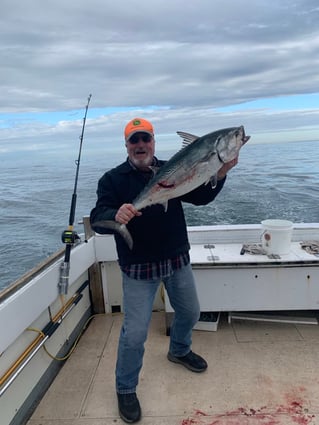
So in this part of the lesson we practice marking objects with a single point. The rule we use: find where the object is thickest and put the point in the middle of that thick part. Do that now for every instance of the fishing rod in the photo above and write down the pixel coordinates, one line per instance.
(69, 236)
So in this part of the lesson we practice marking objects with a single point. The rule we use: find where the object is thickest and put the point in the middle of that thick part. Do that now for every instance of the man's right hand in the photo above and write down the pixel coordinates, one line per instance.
(125, 213)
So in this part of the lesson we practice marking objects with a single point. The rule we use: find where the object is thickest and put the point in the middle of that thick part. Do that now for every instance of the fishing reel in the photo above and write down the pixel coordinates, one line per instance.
(69, 237)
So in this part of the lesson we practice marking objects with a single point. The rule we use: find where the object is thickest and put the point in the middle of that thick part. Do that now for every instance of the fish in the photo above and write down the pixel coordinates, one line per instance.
(196, 163)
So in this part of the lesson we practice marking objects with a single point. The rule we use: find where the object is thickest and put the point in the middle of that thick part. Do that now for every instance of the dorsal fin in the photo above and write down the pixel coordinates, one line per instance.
(187, 137)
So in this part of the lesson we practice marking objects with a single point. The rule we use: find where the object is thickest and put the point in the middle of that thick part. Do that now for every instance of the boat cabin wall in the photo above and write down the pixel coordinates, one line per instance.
(198, 235)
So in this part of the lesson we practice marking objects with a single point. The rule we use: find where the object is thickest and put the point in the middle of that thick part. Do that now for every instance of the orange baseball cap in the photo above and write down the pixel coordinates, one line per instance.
(138, 125)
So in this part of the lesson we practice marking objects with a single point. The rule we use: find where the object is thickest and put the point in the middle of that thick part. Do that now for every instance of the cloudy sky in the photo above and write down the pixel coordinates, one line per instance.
(195, 65)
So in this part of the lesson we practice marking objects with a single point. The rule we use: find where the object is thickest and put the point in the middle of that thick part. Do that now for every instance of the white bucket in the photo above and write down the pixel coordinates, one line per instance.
(276, 236)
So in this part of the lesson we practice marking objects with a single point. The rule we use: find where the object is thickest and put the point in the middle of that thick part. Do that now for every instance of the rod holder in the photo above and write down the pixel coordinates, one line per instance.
(64, 278)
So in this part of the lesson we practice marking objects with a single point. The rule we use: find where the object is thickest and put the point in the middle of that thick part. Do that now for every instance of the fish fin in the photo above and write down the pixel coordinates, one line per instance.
(187, 138)
(213, 181)
(116, 227)
(165, 205)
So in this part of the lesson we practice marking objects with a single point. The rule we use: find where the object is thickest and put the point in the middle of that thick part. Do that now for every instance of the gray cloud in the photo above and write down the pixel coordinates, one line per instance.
(177, 53)
(191, 57)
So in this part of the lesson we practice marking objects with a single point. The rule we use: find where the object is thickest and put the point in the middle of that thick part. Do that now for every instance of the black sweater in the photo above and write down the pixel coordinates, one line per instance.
(157, 235)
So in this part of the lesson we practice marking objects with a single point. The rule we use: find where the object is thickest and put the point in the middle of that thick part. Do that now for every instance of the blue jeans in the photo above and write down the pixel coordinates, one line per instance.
(138, 299)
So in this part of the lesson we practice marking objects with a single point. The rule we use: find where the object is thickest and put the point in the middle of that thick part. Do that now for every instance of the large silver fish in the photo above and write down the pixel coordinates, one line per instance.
(196, 163)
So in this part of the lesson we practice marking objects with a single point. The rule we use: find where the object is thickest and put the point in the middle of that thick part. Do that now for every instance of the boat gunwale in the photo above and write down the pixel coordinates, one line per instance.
(195, 230)
(29, 275)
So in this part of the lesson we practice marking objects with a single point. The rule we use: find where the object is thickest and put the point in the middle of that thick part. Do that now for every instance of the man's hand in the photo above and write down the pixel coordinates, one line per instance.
(125, 213)
(226, 167)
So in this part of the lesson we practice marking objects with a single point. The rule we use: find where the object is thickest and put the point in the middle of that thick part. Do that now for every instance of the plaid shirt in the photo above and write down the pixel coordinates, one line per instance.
(156, 270)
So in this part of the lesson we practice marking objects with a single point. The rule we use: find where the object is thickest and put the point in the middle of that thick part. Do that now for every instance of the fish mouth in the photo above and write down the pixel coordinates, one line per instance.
(245, 139)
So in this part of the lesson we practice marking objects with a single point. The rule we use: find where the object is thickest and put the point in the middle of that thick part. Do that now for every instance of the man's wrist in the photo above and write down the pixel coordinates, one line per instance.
(219, 178)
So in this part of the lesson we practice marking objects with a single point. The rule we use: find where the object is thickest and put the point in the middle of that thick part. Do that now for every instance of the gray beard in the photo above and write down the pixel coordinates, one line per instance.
(142, 163)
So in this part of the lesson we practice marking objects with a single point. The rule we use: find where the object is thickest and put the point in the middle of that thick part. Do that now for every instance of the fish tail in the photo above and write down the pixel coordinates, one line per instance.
(116, 227)
(126, 235)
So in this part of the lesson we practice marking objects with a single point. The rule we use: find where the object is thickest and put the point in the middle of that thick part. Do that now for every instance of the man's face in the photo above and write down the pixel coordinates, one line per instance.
(140, 148)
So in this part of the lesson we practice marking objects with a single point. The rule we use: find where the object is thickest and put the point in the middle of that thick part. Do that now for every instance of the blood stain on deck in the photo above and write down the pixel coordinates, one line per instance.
(292, 412)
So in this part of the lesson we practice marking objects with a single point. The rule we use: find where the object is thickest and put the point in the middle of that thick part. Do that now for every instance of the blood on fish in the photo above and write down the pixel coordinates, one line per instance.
(166, 186)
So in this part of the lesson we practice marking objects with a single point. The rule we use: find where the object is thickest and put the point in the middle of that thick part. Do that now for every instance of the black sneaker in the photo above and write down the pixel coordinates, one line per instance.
(191, 361)
(129, 407)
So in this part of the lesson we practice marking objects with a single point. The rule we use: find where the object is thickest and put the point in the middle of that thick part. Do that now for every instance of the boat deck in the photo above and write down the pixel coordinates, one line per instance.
(259, 373)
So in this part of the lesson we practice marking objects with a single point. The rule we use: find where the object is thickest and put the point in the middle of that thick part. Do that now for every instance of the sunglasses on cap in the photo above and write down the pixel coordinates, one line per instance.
(145, 137)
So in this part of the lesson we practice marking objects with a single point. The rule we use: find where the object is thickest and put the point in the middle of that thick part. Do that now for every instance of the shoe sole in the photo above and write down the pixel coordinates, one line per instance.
(129, 421)
(176, 360)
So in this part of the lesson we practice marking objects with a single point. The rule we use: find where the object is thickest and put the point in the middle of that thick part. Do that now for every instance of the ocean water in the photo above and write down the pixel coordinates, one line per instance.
(271, 181)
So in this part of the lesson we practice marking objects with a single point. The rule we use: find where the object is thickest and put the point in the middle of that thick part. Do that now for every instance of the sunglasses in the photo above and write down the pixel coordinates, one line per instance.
(145, 137)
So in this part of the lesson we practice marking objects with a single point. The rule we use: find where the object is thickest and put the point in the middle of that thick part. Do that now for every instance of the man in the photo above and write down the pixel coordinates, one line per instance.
(160, 254)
